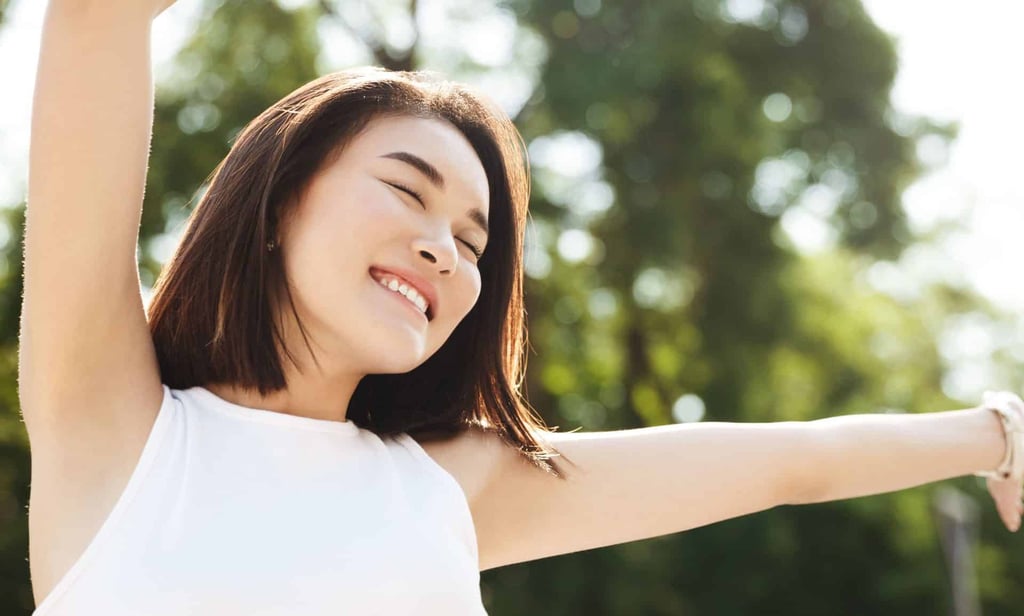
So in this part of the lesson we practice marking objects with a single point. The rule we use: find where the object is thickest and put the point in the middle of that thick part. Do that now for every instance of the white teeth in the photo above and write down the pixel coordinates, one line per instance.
(408, 292)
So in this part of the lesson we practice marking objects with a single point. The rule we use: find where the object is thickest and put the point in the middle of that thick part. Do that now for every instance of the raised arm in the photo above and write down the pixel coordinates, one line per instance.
(636, 484)
(85, 352)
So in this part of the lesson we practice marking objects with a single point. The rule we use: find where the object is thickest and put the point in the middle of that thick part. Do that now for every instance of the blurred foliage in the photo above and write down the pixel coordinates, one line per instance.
(674, 145)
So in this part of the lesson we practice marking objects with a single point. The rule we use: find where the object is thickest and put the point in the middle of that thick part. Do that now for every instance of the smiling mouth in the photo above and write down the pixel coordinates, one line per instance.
(408, 292)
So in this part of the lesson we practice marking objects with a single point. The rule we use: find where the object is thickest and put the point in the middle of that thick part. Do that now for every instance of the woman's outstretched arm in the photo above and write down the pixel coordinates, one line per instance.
(858, 455)
(637, 484)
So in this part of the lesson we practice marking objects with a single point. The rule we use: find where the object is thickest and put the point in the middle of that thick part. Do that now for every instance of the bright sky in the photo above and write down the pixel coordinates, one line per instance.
(956, 64)
(962, 64)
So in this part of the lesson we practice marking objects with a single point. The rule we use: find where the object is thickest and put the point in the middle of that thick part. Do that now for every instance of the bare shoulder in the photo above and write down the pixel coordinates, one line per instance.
(471, 457)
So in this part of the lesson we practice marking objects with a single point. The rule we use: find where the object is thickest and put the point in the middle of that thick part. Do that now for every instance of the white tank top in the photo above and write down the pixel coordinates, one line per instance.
(239, 511)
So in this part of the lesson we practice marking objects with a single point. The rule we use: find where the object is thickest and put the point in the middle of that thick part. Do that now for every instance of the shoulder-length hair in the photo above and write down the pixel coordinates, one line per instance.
(211, 312)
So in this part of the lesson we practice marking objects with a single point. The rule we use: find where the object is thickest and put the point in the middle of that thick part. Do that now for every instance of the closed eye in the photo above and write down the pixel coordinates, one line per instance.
(476, 250)
(412, 193)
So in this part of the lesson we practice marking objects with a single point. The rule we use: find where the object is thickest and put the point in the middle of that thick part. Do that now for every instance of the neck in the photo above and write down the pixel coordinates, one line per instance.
(315, 399)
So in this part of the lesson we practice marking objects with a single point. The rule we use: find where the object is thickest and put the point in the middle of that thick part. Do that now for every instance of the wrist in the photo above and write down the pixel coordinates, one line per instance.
(991, 425)
(1006, 411)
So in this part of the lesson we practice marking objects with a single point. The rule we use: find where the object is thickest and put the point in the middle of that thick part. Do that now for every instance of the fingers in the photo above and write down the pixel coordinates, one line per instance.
(1013, 517)
(1007, 495)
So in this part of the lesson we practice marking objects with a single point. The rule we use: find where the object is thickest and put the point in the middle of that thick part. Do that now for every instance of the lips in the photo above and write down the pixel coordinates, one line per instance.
(424, 288)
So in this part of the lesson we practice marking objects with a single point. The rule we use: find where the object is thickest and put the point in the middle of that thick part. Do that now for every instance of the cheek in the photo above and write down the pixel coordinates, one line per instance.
(334, 239)
(477, 289)
(469, 293)
(354, 226)
(461, 295)
(461, 300)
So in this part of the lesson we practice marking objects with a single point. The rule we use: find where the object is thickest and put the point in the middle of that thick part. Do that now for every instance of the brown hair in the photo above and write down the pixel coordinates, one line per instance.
(211, 312)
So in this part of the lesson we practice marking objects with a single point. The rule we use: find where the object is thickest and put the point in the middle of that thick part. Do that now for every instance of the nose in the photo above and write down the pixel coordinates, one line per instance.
(441, 253)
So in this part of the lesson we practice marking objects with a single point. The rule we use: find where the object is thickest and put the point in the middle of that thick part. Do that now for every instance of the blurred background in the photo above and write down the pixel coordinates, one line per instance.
(743, 210)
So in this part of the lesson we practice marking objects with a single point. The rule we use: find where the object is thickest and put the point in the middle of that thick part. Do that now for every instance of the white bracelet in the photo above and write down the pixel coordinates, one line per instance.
(1010, 409)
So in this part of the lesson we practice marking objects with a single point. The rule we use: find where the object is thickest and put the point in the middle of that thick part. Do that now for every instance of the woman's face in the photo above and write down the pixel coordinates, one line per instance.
(358, 234)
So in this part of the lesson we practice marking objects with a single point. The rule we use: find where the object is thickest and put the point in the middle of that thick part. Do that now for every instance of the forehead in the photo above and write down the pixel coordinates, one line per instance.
(436, 141)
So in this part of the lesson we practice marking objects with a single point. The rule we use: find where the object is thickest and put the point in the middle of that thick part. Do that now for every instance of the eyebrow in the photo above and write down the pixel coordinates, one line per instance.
(435, 177)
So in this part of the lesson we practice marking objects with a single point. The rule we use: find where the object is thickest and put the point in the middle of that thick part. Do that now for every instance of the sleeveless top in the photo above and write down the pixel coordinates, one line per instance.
(232, 510)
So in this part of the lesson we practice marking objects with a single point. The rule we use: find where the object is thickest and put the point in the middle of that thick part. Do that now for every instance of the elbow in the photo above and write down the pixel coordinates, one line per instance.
(801, 491)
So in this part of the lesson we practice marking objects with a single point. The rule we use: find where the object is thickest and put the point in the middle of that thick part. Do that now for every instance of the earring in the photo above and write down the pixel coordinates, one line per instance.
(270, 245)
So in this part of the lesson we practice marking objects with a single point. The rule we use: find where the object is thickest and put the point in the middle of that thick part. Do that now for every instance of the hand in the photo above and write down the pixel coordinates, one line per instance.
(1007, 494)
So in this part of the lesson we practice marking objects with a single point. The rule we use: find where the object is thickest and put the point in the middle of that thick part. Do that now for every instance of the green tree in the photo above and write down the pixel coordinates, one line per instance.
(671, 141)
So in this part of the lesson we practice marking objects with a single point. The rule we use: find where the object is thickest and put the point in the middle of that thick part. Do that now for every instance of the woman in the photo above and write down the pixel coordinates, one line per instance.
(351, 279)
